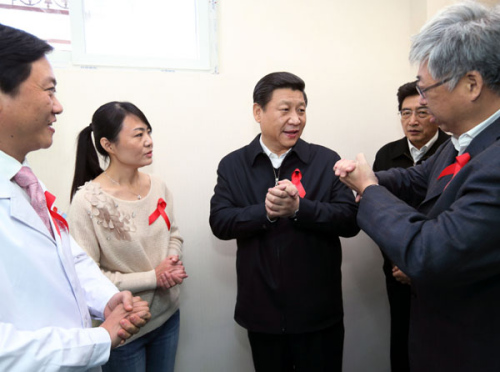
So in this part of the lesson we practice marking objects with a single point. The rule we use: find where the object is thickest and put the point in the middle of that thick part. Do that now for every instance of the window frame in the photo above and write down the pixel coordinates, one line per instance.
(207, 61)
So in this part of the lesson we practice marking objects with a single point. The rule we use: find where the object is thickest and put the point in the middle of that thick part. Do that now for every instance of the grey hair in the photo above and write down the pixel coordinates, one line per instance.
(463, 37)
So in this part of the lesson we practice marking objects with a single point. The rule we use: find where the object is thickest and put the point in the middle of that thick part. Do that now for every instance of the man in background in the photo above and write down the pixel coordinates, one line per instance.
(421, 140)
(49, 288)
(277, 198)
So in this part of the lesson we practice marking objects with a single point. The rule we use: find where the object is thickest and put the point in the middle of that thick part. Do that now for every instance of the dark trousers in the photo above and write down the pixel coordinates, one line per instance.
(399, 301)
(319, 351)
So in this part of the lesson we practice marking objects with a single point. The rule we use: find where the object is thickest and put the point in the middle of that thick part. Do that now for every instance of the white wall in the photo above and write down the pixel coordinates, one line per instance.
(352, 56)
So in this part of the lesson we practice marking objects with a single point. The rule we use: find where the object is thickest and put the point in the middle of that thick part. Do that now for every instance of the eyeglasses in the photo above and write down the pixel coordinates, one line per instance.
(422, 91)
(420, 113)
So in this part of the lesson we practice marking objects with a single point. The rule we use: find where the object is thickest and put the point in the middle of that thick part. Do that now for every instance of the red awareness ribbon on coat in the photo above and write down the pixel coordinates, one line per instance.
(296, 177)
(454, 168)
(160, 210)
(56, 217)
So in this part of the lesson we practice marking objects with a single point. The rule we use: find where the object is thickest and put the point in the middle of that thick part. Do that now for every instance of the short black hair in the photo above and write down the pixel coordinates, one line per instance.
(264, 89)
(18, 50)
(406, 90)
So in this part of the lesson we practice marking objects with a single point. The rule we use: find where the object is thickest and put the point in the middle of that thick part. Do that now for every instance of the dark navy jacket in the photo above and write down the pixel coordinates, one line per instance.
(289, 278)
(450, 247)
(397, 154)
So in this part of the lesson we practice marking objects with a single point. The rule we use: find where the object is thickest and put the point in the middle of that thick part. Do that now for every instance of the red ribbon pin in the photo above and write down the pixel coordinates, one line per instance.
(56, 217)
(454, 168)
(160, 210)
(296, 177)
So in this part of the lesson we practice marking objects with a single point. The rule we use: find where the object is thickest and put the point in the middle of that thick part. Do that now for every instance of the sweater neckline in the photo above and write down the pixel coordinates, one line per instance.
(98, 185)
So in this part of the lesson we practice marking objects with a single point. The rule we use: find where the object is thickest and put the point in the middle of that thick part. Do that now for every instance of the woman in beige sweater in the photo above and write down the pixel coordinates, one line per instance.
(124, 219)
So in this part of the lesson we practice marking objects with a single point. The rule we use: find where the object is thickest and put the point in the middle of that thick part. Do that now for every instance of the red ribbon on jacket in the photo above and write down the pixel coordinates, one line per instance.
(454, 168)
(296, 177)
(56, 217)
(160, 210)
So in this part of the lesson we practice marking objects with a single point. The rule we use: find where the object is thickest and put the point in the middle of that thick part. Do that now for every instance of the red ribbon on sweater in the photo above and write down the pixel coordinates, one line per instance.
(56, 217)
(160, 210)
(296, 177)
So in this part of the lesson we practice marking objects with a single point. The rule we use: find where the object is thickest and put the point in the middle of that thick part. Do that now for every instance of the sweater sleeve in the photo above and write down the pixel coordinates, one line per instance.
(176, 240)
(81, 228)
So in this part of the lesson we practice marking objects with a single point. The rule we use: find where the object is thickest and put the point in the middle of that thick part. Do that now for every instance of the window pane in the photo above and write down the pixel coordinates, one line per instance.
(166, 34)
(155, 28)
(49, 20)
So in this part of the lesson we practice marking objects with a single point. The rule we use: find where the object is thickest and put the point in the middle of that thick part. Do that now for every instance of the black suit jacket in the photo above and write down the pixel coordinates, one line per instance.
(450, 246)
(397, 154)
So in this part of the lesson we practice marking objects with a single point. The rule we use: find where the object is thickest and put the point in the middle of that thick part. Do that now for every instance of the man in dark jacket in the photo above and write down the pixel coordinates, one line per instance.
(278, 198)
(438, 221)
(421, 140)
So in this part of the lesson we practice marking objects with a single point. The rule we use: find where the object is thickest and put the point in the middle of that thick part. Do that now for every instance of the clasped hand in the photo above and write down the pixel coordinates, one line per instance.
(282, 200)
(356, 174)
(170, 272)
(124, 315)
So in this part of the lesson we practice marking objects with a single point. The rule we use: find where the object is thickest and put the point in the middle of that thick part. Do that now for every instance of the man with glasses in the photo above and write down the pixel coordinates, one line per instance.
(439, 221)
(421, 140)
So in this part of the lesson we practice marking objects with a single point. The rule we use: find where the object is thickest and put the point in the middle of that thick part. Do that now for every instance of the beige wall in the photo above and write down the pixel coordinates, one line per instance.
(352, 55)
(433, 6)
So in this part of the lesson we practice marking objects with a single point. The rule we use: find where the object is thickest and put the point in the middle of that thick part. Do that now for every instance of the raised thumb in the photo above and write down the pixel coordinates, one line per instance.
(360, 158)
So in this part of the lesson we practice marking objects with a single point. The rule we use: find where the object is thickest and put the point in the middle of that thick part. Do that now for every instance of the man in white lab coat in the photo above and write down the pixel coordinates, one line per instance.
(49, 288)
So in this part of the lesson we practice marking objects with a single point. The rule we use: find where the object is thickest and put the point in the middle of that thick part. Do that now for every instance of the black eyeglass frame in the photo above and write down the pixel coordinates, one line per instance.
(421, 113)
(439, 83)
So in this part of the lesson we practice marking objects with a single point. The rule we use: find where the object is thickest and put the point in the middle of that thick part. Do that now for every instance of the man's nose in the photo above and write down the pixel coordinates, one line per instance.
(295, 118)
(57, 107)
(413, 118)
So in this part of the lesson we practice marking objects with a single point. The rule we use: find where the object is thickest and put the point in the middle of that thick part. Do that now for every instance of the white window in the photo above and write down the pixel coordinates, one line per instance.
(49, 20)
(163, 34)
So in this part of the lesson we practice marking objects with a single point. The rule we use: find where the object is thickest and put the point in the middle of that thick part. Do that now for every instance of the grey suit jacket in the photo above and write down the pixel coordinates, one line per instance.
(450, 247)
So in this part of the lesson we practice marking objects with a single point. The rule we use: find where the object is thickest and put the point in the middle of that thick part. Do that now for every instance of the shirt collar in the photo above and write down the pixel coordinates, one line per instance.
(461, 143)
(9, 166)
(254, 149)
(416, 153)
(275, 159)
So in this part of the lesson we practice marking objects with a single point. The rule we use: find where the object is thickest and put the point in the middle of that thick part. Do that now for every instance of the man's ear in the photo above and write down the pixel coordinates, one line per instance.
(257, 112)
(106, 145)
(474, 84)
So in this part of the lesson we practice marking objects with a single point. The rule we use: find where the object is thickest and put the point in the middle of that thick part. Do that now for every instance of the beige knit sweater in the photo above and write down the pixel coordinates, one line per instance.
(117, 235)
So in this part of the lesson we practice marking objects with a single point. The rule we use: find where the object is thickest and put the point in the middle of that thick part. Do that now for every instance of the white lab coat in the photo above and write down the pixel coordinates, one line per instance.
(49, 288)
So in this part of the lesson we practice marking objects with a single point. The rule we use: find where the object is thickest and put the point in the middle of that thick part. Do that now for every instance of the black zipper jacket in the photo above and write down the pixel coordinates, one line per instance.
(289, 278)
